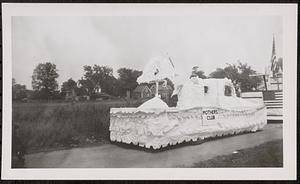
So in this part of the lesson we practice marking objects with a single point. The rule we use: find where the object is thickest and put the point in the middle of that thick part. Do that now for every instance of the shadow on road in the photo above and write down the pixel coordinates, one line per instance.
(177, 145)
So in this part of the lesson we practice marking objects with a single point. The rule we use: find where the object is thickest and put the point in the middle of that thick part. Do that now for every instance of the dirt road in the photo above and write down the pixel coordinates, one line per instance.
(114, 156)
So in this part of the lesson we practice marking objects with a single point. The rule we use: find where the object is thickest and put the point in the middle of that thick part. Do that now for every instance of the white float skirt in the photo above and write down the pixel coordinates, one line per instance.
(157, 128)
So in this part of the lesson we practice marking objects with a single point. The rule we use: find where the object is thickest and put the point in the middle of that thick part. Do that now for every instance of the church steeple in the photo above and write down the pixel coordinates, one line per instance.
(273, 48)
(273, 56)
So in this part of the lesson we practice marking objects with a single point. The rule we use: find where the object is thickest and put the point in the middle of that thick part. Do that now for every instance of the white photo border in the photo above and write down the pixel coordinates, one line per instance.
(289, 13)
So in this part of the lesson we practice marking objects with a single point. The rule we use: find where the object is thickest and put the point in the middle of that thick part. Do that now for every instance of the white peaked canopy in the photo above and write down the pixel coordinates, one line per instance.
(155, 102)
(158, 68)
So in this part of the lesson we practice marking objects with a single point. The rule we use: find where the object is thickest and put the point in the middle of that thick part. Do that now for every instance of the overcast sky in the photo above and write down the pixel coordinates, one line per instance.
(207, 42)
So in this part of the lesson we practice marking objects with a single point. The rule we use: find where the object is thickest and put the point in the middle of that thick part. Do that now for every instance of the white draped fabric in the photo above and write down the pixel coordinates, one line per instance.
(158, 68)
(153, 103)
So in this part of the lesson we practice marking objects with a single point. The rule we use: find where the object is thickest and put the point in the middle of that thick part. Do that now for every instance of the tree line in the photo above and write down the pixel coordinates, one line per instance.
(45, 85)
(100, 78)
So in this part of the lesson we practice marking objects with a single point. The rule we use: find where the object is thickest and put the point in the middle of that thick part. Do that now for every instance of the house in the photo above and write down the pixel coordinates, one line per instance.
(165, 91)
(141, 91)
(145, 91)
(70, 95)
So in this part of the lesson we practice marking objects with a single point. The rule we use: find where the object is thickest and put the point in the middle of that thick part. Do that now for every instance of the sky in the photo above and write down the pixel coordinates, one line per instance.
(207, 42)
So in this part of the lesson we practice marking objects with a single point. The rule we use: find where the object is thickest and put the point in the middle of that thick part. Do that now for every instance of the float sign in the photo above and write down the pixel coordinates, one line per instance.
(210, 114)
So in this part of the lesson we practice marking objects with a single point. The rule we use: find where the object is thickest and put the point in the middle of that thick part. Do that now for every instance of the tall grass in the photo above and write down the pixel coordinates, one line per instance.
(43, 126)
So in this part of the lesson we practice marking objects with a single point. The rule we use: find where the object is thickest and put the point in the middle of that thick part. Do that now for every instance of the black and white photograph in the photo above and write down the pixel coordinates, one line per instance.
(149, 86)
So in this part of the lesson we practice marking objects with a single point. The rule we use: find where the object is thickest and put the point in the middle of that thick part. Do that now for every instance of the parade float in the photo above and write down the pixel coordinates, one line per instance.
(206, 108)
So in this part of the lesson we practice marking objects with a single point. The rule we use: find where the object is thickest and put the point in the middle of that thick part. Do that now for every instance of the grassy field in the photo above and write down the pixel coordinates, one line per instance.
(52, 126)
(265, 155)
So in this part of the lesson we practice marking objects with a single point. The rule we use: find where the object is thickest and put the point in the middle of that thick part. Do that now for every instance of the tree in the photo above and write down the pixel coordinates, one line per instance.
(246, 81)
(96, 78)
(232, 72)
(44, 80)
(18, 91)
(127, 80)
(219, 73)
(68, 86)
(197, 72)
(86, 86)
(240, 75)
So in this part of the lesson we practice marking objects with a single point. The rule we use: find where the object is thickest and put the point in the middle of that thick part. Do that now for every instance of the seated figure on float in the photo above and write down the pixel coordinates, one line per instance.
(205, 108)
